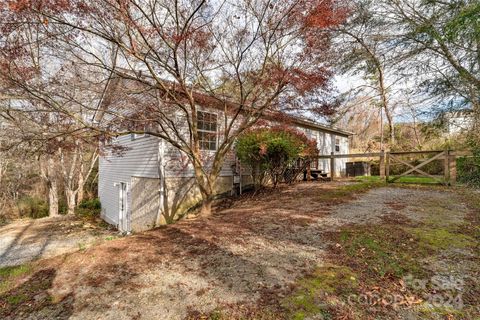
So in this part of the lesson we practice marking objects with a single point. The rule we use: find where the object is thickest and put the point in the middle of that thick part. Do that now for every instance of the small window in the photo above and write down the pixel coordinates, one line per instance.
(207, 130)
(337, 145)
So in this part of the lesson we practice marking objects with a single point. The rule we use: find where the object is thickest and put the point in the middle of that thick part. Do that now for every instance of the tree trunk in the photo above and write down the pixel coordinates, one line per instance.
(391, 127)
(52, 198)
(207, 195)
(207, 183)
(81, 188)
(71, 203)
(47, 171)
(206, 209)
(385, 106)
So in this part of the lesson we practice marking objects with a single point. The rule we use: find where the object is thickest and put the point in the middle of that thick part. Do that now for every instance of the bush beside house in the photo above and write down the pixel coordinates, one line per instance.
(89, 208)
(271, 153)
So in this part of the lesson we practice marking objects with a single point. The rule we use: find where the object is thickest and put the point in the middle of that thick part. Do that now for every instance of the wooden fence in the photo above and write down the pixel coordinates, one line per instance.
(386, 159)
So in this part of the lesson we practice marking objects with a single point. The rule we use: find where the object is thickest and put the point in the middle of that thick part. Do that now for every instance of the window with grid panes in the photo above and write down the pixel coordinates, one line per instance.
(207, 130)
(337, 145)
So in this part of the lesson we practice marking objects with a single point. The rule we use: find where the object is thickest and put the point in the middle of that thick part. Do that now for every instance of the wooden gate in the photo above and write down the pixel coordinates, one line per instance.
(448, 168)
(387, 158)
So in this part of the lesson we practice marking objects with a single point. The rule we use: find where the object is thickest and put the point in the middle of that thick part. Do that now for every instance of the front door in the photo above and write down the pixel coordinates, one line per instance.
(123, 224)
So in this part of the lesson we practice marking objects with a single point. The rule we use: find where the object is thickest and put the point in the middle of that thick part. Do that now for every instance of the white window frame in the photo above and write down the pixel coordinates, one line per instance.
(208, 131)
(337, 145)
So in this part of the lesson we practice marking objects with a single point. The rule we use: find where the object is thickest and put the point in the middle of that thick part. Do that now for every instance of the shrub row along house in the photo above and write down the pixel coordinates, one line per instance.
(145, 181)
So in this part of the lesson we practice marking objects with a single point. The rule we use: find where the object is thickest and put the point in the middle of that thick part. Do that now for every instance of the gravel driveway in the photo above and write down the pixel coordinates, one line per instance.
(26, 240)
(247, 255)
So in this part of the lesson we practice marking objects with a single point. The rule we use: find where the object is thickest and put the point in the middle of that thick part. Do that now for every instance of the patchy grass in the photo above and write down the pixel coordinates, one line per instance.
(362, 186)
(14, 271)
(373, 261)
(316, 294)
(380, 257)
(432, 312)
(82, 246)
(369, 179)
(348, 191)
(17, 299)
(441, 239)
(8, 274)
(239, 312)
(471, 198)
(418, 180)
(380, 252)
(31, 294)
(406, 179)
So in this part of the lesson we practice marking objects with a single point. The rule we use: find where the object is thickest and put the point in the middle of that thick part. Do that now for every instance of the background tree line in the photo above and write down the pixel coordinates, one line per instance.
(415, 60)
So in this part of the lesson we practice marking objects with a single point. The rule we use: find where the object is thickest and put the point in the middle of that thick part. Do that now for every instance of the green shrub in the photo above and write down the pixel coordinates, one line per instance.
(468, 171)
(270, 152)
(89, 208)
(468, 168)
(90, 204)
(32, 207)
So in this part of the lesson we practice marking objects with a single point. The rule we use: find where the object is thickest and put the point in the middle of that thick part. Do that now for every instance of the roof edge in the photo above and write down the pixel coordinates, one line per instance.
(308, 123)
(117, 76)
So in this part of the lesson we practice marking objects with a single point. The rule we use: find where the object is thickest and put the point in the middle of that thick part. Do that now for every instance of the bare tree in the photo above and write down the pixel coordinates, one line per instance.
(244, 58)
(365, 49)
(44, 99)
(357, 116)
(49, 173)
(76, 166)
(23, 169)
(443, 43)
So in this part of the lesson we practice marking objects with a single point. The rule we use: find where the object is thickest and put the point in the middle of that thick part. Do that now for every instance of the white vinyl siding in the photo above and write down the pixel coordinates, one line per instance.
(327, 143)
(139, 158)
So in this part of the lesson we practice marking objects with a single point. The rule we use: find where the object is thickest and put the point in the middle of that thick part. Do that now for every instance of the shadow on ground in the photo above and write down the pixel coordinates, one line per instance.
(33, 296)
(250, 254)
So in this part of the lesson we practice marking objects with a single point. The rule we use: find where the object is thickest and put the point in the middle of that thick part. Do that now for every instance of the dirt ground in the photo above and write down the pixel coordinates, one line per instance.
(247, 259)
(27, 240)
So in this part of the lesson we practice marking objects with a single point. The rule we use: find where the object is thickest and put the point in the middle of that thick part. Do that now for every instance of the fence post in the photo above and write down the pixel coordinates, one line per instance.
(382, 164)
(387, 168)
(453, 169)
(446, 166)
(332, 166)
